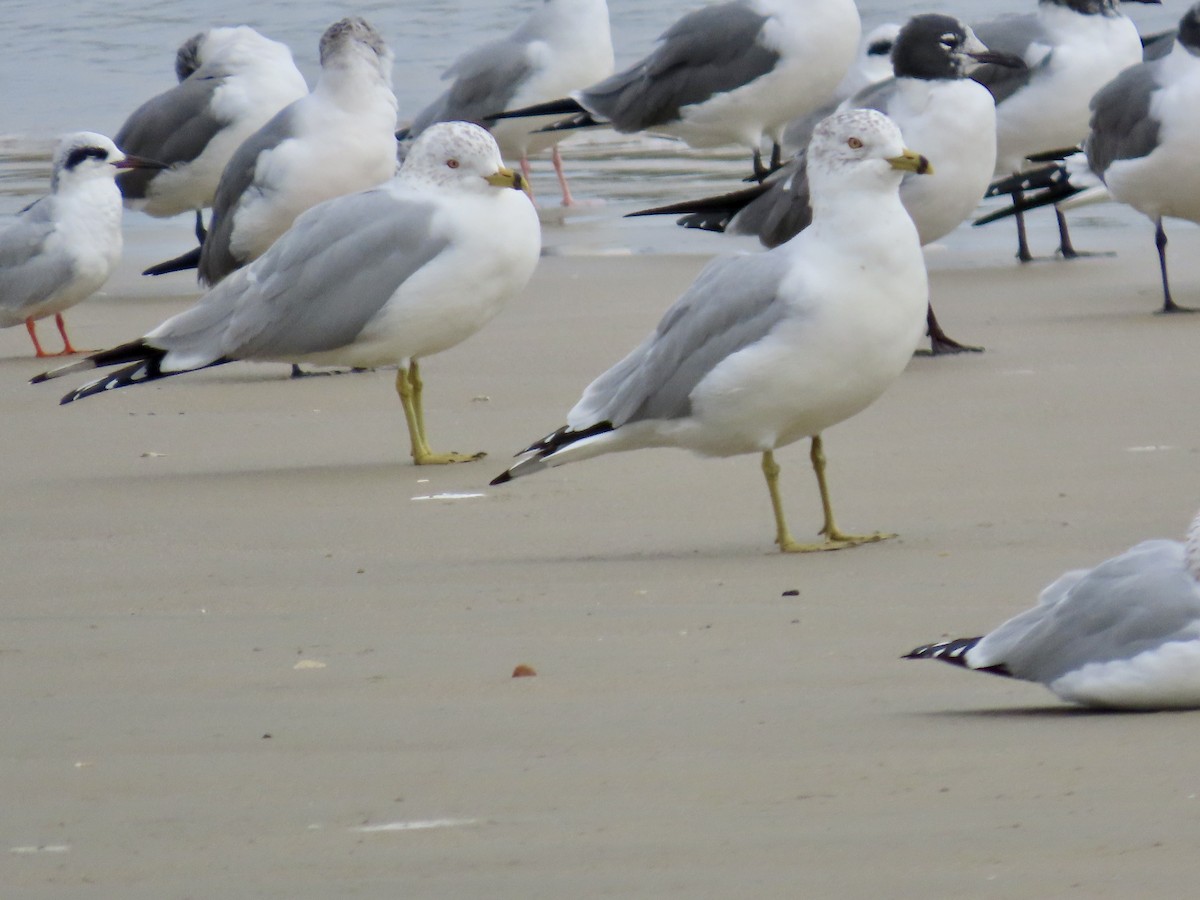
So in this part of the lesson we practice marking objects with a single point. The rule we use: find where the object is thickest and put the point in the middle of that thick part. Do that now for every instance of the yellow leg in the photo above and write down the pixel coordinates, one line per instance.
(409, 386)
(834, 538)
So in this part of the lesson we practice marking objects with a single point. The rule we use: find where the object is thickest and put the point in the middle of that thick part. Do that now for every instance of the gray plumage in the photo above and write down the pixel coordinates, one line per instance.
(27, 272)
(697, 332)
(1123, 126)
(1010, 34)
(709, 51)
(485, 81)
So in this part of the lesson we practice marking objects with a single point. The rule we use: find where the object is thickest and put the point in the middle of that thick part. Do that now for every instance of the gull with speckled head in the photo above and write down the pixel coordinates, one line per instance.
(730, 73)
(61, 249)
(563, 45)
(385, 276)
(765, 349)
(231, 82)
(338, 139)
(1124, 635)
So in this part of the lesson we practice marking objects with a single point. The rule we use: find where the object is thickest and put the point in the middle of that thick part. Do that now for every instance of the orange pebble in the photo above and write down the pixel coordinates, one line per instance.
(523, 671)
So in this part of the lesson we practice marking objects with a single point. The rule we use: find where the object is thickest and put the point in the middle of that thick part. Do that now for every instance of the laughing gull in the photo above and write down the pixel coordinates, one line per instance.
(381, 277)
(231, 81)
(949, 116)
(730, 73)
(1143, 145)
(765, 349)
(1071, 48)
(62, 247)
(562, 46)
(338, 139)
(1124, 635)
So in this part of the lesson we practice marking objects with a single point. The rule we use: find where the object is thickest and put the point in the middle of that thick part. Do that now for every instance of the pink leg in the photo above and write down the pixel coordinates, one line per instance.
(525, 173)
(556, 158)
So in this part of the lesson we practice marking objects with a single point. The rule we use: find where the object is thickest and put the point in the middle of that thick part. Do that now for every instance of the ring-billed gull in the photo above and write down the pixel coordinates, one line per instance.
(338, 139)
(61, 249)
(1125, 634)
(949, 116)
(563, 45)
(231, 81)
(765, 349)
(728, 73)
(381, 277)
(1071, 48)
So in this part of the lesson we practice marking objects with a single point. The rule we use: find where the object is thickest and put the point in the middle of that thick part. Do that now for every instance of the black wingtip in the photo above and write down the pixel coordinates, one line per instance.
(503, 478)
(565, 106)
(953, 651)
(189, 260)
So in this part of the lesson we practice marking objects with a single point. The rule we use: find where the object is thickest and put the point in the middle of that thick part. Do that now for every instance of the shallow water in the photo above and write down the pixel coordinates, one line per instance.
(78, 65)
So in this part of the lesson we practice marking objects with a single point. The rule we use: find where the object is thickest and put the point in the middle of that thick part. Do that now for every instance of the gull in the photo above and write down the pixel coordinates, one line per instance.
(61, 248)
(563, 45)
(385, 276)
(231, 82)
(338, 139)
(729, 73)
(765, 349)
(1124, 635)
(1142, 146)
(1071, 49)
(949, 116)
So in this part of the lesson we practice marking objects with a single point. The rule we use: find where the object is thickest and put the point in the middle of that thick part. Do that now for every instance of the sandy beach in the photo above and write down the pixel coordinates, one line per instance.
(249, 650)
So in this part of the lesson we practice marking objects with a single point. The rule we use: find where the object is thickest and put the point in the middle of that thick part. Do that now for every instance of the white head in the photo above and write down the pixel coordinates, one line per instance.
(229, 49)
(858, 149)
(352, 40)
(457, 154)
(83, 156)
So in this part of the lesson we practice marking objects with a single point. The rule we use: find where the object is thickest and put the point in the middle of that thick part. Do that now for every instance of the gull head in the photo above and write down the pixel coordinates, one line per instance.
(354, 39)
(860, 148)
(460, 154)
(934, 46)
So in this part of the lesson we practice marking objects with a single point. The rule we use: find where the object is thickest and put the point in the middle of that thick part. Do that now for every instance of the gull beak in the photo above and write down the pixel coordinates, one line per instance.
(908, 161)
(996, 58)
(138, 162)
(505, 177)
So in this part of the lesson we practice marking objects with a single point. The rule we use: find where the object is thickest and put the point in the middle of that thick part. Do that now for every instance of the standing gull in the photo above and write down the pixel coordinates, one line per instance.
(381, 277)
(949, 116)
(563, 45)
(1071, 49)
(231, 81)
(336, 140)
(729, 73)
(62, 248)
(765, 349)
(1123, 635)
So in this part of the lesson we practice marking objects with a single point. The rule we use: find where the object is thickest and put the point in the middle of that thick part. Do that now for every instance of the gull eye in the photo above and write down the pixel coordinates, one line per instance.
(854, 143)
(452, 163)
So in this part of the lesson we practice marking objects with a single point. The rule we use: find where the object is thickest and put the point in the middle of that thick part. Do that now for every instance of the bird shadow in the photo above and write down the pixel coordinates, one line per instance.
(1034, 712)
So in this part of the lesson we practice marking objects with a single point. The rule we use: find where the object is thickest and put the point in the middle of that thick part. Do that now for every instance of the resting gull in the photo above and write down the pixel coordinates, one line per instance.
(61, 248)
(1071, 48)
(765, 349)
(728, 73)
(336, 140)
(1123, 635)
(381, 277)
(231, 81)
(949, 116)
(563, 45)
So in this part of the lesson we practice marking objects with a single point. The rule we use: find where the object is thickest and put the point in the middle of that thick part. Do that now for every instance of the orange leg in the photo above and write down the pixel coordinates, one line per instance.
(32, 329)
(556, 158)
(62, 329)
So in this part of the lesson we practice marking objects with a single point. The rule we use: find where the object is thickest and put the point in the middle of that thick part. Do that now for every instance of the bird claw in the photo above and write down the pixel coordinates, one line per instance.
(836, 541)
(445, 459)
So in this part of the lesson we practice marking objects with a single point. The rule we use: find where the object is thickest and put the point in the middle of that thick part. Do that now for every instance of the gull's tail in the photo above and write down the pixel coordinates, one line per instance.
(145, 364)
(189, 260)
(955, 653)
(537, 455)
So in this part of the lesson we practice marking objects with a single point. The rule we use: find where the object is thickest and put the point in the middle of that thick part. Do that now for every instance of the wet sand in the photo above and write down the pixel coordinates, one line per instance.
(242, 657)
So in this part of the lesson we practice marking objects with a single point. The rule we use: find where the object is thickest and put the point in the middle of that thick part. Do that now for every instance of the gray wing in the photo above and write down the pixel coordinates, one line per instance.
(709, 51)
(1125, 606)
(216, 260)
(1015, 35)
(316, 288)
(485, 80)
(732, 304)
(1123, 126)
(781, 212)
(173, 127)
(27, 274)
